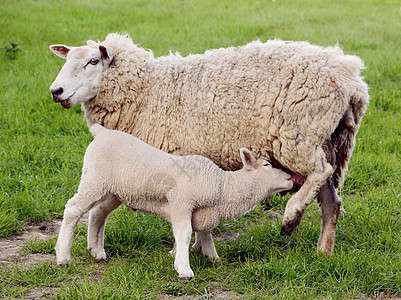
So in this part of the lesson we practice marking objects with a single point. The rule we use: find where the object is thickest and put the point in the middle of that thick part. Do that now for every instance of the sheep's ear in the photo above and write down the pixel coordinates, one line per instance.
(106, 54)
(60, 50)
(247, 159)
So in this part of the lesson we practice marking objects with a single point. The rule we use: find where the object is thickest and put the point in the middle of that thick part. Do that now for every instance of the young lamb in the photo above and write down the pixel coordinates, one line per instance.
(299, 105)
(191, 192)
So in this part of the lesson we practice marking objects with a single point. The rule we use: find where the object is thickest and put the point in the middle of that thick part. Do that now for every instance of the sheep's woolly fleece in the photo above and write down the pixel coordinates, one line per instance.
(281, 100)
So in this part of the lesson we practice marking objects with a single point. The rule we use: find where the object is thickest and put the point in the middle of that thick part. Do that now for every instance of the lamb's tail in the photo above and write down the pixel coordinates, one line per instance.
(95, 129)
(343, 138)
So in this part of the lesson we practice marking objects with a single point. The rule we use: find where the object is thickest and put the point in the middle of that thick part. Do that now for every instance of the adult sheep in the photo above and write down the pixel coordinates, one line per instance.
(296, 104)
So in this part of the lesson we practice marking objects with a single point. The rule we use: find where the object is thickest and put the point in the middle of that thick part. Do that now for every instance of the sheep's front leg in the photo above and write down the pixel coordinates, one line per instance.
(182, 230)
(297, 204)
(204, 244)
(330, 208)
(97, 221)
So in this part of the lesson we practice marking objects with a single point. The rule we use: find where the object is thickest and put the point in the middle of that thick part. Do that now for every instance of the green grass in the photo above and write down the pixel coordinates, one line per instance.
(42, 146)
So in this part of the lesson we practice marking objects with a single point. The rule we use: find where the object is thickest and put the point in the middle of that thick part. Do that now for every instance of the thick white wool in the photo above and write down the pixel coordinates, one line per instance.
(282, 100)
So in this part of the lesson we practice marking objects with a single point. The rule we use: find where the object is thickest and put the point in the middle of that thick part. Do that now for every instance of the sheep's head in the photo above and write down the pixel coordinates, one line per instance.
(78, 80)
(274, 180)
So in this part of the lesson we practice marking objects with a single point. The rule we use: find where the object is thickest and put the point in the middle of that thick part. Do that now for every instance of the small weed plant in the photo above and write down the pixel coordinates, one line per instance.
(11, 50)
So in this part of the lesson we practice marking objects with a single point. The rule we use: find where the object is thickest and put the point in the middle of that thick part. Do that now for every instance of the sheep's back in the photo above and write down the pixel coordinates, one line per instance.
(279, 99)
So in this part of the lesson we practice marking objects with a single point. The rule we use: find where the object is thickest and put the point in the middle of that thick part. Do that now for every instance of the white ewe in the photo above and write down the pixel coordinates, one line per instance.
(191, 192)
(296, 104)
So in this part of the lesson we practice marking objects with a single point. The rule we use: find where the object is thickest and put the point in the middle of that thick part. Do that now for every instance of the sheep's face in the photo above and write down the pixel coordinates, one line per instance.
(272, 179)
(78, 80)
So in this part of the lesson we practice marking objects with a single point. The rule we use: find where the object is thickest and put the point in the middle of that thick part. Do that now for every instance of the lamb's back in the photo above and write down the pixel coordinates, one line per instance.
(133, 168)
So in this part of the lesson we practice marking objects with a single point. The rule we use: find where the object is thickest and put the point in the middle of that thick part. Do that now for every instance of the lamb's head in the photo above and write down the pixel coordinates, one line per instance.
(78, 80)
(269, 178)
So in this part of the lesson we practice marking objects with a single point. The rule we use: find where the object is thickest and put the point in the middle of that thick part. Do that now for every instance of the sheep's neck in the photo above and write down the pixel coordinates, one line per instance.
(106, 107)
(241, 192)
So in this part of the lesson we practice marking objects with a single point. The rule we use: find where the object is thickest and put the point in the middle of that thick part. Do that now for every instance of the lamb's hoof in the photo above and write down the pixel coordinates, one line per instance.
(102, 260)
(98, 255)
(63, 265)
(185, 278)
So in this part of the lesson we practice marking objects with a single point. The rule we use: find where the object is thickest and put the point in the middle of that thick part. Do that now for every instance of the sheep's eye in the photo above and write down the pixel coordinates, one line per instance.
(93, 61)
(266, 164)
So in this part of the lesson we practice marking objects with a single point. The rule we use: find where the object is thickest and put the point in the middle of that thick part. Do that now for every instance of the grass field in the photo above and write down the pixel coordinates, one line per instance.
(42, 147)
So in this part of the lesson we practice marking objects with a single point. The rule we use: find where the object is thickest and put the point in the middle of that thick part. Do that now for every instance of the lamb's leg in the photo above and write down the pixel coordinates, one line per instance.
(75, 208)
(330, 206)
(297, 204)
(97, 221)
(182, 230)
(204, 244)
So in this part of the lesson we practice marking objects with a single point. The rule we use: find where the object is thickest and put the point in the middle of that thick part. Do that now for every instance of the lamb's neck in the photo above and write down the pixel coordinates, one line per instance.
(241, 193)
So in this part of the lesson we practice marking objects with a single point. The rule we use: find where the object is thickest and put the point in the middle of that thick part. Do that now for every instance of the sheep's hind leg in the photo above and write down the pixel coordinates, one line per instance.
(330, 206)
(97, 221)
(75, 208)
(204, 244)
(297, 204)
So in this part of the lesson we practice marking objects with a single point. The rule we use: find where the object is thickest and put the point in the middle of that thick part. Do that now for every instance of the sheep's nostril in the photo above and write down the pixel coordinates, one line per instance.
(56, 93)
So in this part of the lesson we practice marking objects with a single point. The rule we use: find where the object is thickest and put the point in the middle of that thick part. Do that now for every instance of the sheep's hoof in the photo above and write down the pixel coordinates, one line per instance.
(290, 226)
(185, 278)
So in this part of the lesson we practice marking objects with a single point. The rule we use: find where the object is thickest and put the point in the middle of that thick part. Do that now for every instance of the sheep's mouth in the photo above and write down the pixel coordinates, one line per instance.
(66, 103)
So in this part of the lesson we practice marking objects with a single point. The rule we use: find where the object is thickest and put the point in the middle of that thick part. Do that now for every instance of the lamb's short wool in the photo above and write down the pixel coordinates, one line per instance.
(296, 104)
(191, 192)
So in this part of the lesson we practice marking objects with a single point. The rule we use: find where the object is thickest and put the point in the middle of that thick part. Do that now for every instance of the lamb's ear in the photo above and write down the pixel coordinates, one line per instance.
(60, 50)
(247, 159)
(107, 55)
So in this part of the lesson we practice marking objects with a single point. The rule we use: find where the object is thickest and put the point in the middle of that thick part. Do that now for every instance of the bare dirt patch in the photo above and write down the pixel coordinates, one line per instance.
(43, 293)
(12, 254)
(219, 294)
(11, 247)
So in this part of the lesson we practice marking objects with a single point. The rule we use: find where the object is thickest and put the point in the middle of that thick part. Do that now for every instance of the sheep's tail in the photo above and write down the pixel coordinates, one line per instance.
(95, 129)
(343, 138)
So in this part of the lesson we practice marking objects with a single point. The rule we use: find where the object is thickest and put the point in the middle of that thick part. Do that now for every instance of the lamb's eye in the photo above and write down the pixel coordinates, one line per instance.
(93, 61)
(265, 164)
